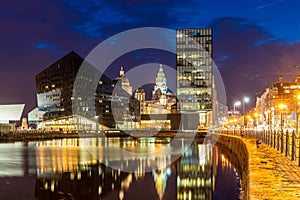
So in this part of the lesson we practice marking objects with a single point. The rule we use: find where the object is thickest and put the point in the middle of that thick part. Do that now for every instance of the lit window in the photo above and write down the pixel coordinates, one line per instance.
(46, 87)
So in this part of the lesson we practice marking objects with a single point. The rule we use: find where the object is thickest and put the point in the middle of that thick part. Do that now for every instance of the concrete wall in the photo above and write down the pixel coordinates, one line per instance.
(240, 158)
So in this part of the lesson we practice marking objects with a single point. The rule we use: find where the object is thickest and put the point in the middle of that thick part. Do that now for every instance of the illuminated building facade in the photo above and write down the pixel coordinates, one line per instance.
(268, 105)
(194, 75)
(160, 112)
(160, 87)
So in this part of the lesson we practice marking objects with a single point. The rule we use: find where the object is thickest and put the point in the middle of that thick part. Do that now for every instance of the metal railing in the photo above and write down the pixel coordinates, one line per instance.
(286, 142)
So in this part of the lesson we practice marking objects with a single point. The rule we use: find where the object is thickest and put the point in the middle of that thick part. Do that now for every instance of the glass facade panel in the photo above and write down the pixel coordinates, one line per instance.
(194, 69)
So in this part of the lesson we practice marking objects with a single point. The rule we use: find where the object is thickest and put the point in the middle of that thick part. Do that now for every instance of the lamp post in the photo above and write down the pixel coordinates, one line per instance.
(237, 103)
(298, 97)
(297, 120)
(245, 100)
(281, 107)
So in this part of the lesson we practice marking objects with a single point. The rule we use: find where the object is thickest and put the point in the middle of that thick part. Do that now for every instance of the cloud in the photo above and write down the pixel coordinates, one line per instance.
(104, 18)
(268, 5)
(52, 47)
(253, 57)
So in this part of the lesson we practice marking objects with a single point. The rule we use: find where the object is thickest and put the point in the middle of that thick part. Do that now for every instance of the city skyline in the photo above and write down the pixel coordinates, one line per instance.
(257, 49)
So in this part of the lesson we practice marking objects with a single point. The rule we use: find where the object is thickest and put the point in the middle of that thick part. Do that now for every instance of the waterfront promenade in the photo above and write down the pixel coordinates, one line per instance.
(270, 174)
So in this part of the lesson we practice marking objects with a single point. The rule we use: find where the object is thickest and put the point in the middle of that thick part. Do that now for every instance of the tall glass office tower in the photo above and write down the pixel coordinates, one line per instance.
(194, 72)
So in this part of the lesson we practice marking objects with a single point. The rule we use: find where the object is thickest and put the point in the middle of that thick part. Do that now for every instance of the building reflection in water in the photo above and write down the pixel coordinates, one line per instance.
(70, 172)
(64, 169)
(196, 172)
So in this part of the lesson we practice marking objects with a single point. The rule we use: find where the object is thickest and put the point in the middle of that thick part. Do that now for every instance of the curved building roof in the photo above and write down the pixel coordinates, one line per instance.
(11, 112)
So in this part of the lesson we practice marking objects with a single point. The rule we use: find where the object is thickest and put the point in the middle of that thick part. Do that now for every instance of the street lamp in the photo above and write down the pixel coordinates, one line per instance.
(281, 107)
(297, 126)
(245, 100)
(237, 103)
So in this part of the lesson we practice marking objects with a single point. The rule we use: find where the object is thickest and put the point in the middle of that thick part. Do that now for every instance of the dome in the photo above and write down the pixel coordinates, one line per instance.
(124, 82)
(140, 90)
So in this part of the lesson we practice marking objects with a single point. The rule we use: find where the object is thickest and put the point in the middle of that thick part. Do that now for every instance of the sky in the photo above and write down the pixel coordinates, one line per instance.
(253, 41)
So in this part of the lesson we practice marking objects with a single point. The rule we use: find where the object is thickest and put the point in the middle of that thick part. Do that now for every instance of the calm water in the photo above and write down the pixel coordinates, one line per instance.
(66, 169)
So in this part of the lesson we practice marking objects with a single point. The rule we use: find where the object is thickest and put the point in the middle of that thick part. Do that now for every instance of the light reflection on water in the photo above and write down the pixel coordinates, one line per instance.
(65, 169)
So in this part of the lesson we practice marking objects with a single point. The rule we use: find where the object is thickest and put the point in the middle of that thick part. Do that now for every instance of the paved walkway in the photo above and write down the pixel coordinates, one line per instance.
(271, 174)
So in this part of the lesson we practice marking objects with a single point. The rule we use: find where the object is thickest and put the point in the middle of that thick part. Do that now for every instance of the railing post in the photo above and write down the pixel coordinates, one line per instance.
(267, 138)
(274, 139)
(287, 143)
(282, 142)
(278, 140)
(293, 146)
(298, 151)
(271, 139)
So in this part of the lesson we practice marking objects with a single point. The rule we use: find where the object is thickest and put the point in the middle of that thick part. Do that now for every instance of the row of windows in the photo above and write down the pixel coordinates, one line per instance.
(195, 63)
(194, 48)
(185, 72)
(197, 32)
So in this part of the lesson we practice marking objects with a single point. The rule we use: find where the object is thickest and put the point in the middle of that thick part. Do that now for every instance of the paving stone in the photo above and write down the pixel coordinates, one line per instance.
(271, 175)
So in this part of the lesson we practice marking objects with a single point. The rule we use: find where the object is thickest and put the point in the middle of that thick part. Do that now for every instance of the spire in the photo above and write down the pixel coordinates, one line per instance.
(160, 68)
(122, 72)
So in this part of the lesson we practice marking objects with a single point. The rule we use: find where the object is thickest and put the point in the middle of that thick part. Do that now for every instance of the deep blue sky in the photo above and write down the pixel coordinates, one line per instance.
(254, 41)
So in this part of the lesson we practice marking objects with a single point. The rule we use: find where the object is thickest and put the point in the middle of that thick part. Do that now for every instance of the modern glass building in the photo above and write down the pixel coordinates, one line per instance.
(194, 72)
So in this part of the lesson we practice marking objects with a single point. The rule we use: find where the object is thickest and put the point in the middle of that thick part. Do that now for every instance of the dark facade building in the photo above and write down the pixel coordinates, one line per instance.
(194, 73)
(54, 86)
(57, 100)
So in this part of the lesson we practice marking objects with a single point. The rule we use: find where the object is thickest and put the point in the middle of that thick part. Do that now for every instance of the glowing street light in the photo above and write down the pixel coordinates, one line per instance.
(297, 120)
(245, 100)
(237, 103)
(281, 107)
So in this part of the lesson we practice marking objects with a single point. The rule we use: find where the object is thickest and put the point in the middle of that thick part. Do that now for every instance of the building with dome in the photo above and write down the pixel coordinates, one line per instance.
(125, 108)
(124, 82)
(160, 87)
(157, 112)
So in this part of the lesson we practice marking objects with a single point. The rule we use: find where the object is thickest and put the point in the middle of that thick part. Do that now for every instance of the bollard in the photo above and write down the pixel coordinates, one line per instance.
(293, 146)
(287, 143)
(258, 143)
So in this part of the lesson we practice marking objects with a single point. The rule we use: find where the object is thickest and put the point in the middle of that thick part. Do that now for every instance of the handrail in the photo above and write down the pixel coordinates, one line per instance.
(287, 142)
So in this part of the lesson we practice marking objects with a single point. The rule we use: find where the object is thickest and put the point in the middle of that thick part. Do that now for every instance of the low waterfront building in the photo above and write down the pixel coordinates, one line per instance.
(9, 115)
